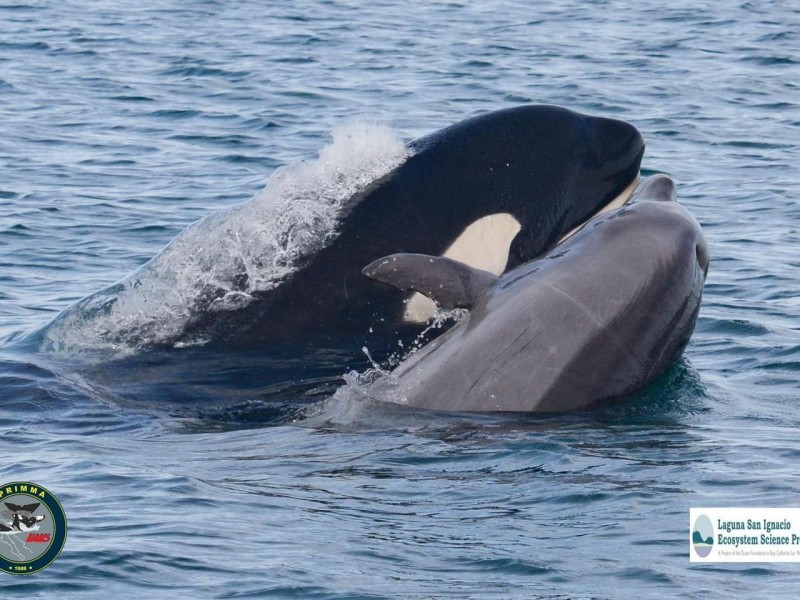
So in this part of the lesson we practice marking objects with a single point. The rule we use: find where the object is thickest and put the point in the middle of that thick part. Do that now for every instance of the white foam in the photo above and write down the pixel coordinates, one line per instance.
(220, 262)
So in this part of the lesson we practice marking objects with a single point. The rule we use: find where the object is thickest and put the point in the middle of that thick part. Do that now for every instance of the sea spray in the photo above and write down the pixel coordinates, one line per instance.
(359, 382)
(223, 261)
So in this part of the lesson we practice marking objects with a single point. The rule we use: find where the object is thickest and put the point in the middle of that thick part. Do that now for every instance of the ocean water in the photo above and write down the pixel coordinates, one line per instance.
(189, 473)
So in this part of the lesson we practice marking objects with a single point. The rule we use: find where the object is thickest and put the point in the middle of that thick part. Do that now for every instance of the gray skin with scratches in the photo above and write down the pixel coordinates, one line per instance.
(598, 316)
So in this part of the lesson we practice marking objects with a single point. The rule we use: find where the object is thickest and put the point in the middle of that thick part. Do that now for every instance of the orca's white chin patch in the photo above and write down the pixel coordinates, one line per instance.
(484, 245)
(619, 201)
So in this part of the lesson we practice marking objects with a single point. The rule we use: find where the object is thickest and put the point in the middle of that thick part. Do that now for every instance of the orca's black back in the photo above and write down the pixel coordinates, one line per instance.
(549, 167)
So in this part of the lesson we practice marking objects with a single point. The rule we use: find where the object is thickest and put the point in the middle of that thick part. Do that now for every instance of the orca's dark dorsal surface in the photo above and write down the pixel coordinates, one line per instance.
(544, 169)
(548, 167)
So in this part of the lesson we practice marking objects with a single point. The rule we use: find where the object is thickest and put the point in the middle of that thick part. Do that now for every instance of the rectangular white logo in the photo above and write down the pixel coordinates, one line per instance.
(744, 535)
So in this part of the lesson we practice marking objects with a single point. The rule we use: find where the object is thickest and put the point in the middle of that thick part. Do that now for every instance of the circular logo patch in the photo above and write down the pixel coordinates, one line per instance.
(703, 536)
(33, 528)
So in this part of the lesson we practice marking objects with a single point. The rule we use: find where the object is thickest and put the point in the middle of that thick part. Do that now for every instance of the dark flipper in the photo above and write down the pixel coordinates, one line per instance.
(449, 283)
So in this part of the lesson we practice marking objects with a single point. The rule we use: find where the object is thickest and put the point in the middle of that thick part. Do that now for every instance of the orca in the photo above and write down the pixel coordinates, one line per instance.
(21, 521)
(496, 190)
(22, 508)
(598, 316)
(25, 522)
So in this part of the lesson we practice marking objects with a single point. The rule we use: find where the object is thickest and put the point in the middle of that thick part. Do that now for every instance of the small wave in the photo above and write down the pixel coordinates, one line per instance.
(768, 61)
(199, 70)
(226, 259)
(24, 46)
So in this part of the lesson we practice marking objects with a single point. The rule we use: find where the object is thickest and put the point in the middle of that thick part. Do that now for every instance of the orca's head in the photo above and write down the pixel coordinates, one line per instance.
(584, 163)
(520, 180)
(29, 521)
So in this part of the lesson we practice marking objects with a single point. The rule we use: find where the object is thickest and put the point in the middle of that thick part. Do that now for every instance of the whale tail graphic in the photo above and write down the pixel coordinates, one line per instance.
(26, 508)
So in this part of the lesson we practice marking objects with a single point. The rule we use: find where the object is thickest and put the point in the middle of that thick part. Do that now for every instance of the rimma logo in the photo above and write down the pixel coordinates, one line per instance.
(702, 536)
(33, 528)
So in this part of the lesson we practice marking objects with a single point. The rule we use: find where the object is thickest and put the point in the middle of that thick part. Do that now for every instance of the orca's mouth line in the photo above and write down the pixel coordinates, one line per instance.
(621, 200)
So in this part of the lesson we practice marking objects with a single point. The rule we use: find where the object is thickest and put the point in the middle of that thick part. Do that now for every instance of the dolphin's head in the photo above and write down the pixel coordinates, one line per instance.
(661, 188)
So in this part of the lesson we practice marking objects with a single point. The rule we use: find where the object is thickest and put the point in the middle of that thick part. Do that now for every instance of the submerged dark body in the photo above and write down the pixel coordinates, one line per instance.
(549, 167)
(599, 316)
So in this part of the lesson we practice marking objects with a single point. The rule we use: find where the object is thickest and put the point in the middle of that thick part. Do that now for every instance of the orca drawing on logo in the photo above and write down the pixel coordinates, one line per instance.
(22, 520)
(33, 528)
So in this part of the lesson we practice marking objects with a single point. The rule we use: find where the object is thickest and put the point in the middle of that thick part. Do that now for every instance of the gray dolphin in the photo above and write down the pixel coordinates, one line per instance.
(598, 316)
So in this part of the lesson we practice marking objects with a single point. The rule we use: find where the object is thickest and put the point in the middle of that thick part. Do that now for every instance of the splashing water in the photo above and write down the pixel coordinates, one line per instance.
(220, 262)
(359, 382)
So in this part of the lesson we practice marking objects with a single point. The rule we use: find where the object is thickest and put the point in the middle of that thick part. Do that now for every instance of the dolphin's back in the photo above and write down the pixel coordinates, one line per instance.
(600, 316)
